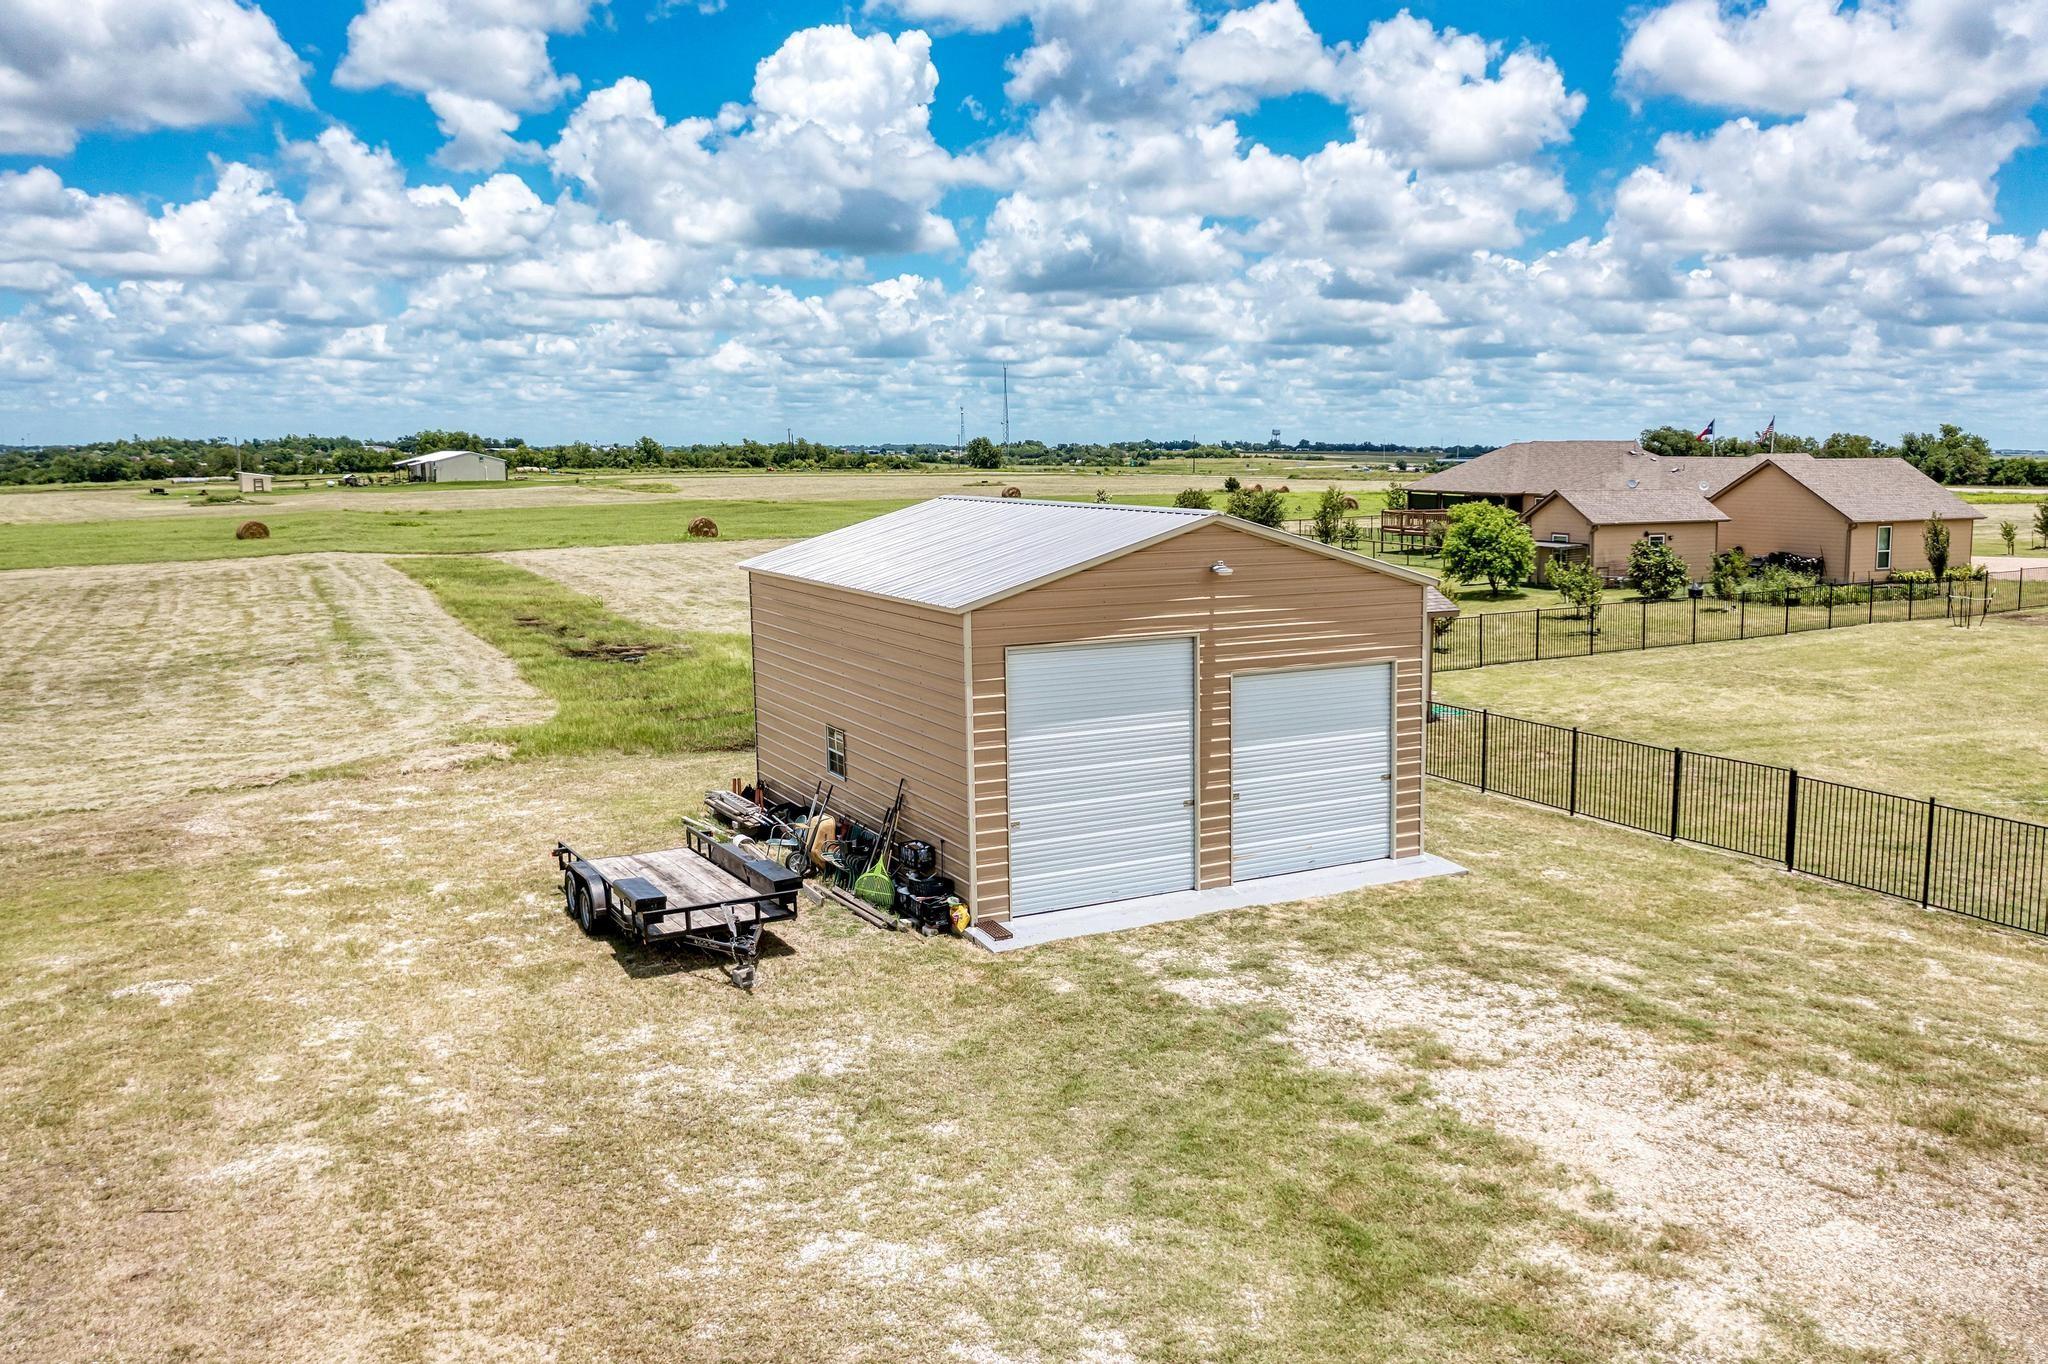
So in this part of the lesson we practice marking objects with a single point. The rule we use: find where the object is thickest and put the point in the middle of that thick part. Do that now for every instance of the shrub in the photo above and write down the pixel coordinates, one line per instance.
(1195, 499)
(1440, 630)
(1580, 585)
(1656, 571)
(1102, 494)
(1256, 505)
(1775, 585)
(1730, 571)
(704, 528)
(1965, 573)
(1231, 485)
(1328, 522)
(1482, 540)
(252, 530)
(1935, 542)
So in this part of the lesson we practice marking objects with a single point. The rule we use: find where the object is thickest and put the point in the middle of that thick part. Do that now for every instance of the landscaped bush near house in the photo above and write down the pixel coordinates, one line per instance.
(1805, 565)
(1655, 571)
(1775, 585)
(1581, 587)
(1194, 499)
(1964, 573)
(1935, 542)
(1730, 572)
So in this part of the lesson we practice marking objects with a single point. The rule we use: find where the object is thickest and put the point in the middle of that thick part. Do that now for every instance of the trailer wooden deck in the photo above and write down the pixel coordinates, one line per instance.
(686, 878)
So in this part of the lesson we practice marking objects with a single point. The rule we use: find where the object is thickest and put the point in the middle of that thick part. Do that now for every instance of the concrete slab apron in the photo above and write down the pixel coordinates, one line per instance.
(1117, 915)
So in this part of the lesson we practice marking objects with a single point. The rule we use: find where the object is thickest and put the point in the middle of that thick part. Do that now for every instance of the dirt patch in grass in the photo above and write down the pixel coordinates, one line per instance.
(1778, 1188)
(127, 685)
(675, 587)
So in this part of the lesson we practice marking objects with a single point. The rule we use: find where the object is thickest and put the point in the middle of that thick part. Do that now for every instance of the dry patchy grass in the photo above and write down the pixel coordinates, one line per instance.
(341, 1080)
(129, 685)
(673, 587)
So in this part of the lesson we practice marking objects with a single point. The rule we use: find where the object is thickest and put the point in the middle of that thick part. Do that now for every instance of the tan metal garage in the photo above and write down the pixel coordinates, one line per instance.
(1098, 703)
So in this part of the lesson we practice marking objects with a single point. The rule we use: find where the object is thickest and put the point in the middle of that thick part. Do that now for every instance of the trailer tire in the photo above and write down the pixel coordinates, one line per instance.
(587, 912)
(570, 881)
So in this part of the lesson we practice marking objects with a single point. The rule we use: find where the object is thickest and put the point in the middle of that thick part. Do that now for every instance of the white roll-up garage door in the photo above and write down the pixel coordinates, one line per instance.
(1311, 768)
(1102, 772)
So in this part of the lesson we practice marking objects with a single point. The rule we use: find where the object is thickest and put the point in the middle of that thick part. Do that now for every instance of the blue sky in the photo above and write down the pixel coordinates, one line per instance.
(1454, 221)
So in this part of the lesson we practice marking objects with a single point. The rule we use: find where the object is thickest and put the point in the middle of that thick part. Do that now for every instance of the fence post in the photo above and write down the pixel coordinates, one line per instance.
(1592, 629)
(1480, 621)
(1792, 819)
(1831, 608)
(1910, 595)
(1788, 613)
(1483, 746)
(1927, 863)
(1677, 784)
(1695, 620)
(1539, 634)
(1870, 595)
(1643, 631)
(1572, 803)
(1741, 617)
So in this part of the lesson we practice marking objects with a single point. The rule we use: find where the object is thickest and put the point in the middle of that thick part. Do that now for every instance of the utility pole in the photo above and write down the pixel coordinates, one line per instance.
(961, 443)
(1006, 409)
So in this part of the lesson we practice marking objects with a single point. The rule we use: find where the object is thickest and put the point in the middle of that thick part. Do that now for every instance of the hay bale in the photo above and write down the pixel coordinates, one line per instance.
(1285, 489)
(1350, 504)
(1013, 492)
(252, 530)
(704, 528)
(1258, 487)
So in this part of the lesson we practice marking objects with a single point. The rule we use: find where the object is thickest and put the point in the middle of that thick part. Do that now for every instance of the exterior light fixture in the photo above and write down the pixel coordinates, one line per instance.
(1221, 569)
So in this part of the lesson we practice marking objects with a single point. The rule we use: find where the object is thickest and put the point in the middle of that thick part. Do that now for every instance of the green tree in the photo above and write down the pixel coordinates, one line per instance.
(648, 450)
(1952, 456)
(1672, 440)
(1397, 496)
(1260, 506)
(1849, 445)
(1328, 523)
(1485, 541)
(427, 442)
(1194, 499)
(1581, 587)
(1231, 485)
(1731, 570)
(982, 453)
(2041, 522)
(2010, 533)
(1935, 542)
(1655, 571)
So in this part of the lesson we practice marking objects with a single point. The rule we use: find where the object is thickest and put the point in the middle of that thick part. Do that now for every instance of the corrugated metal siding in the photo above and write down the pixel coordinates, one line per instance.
(891, 677)
(952, 552)
(1280, 607)
(1770, 512)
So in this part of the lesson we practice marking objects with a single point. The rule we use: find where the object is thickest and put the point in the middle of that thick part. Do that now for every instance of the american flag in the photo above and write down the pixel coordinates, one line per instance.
(1768, 431)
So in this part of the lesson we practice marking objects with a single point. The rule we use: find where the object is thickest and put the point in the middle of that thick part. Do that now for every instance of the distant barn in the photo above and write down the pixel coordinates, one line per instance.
(452, 466)
(248, 482)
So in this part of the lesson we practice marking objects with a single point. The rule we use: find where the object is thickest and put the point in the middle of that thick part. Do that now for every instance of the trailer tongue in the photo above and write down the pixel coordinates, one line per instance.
(708, 894)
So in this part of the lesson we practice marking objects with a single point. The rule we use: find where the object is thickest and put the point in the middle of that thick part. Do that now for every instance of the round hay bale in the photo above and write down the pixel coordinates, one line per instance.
(704, 528)
(252, 530)
(1258, 487)
(1350, 504)
(1285, 489)
(1013, 492)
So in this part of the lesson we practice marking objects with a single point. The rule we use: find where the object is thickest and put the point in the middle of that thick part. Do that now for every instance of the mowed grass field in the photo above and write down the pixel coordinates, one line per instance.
(306, 1062)
(1924, 709)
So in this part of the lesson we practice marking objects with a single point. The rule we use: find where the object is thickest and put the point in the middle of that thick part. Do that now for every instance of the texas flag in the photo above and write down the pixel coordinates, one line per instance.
(1707, 434)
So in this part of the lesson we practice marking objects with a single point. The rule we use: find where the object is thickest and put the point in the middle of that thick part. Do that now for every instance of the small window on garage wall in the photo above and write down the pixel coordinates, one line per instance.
(1657, 537)
(1884, 546)
(835, 752)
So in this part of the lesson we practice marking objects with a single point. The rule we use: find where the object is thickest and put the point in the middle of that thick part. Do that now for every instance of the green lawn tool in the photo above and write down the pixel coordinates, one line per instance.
(875, 885)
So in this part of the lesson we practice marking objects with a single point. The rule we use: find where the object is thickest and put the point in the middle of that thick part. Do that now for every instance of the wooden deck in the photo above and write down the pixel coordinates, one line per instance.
(684, 877)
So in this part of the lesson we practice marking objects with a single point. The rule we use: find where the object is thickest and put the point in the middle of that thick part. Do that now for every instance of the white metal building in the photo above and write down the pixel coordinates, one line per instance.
(452, 466)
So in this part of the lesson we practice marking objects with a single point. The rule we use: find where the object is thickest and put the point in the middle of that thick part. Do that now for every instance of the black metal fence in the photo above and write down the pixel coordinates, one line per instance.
(1986, 866)
(1551, 632)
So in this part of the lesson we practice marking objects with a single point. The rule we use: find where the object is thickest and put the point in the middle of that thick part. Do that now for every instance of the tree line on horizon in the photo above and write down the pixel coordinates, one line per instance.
(1950, 455)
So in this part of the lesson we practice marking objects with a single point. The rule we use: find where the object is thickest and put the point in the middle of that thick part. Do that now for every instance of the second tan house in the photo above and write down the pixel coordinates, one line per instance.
(1592, 500)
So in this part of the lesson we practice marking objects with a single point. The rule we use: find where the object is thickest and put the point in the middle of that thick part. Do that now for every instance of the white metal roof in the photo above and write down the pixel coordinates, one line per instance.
(440, 455)
(956, 553)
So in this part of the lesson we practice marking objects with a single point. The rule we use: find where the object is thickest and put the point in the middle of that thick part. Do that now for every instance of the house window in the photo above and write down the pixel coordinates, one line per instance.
(1559, 537)
(1657, 537)
(835, 752)
(1884, 547)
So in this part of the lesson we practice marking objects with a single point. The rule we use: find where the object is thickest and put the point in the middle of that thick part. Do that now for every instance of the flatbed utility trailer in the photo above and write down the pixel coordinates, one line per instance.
(708, 894)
